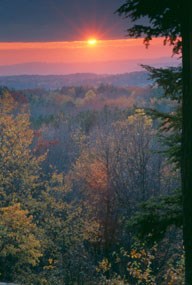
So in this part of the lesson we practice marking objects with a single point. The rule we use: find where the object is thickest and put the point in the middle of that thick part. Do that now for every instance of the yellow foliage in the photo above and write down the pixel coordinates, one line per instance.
(175, 272)
(104, 265)
(19, 166)
(139, 265)
(18, 235)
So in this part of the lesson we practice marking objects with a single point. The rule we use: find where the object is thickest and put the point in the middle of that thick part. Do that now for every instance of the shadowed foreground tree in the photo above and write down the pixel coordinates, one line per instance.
(172, 20)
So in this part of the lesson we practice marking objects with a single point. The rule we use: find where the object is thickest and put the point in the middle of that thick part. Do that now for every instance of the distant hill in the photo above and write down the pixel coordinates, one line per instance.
(98, 67)
(139, 78)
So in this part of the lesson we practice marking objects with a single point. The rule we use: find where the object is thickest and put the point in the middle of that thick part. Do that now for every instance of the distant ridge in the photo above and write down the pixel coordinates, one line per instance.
(138, 78)
(105, 67)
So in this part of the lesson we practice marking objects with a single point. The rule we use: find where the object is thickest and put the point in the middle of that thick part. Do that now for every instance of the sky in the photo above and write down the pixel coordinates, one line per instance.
(57, 31)
(59, 20)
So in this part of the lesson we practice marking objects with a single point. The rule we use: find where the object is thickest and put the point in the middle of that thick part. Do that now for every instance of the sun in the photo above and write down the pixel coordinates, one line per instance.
(92, 42)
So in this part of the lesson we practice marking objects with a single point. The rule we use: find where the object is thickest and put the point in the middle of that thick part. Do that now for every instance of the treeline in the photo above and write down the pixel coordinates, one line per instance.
(87, 194)
(19, 82)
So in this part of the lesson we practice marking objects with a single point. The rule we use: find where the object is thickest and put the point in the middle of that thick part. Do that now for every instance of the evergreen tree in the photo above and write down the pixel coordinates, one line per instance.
(173, 21)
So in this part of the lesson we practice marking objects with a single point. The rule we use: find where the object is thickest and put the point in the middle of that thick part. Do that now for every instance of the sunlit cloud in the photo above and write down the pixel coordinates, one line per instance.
(74, 44)
(80, 51)
(42, 45)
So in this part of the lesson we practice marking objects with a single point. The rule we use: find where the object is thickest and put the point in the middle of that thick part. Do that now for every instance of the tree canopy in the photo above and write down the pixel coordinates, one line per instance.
(163, 19)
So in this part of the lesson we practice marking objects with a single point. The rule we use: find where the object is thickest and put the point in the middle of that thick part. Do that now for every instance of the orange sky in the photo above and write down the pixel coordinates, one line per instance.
(80, 51)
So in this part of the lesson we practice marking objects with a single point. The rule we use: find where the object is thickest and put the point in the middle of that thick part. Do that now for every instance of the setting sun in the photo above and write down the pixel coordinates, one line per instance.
(92, 42)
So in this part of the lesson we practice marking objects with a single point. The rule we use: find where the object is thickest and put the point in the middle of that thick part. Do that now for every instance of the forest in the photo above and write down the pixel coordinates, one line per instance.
(90, 184)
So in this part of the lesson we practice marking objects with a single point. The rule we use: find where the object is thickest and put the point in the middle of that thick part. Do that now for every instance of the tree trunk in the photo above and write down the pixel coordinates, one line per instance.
(186, 164)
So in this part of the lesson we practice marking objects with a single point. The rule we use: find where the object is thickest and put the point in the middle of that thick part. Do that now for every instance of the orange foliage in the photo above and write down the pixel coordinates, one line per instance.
(97, 178)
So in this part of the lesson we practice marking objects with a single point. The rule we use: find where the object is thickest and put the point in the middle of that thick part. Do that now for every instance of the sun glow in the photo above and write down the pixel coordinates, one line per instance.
(92, 42)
